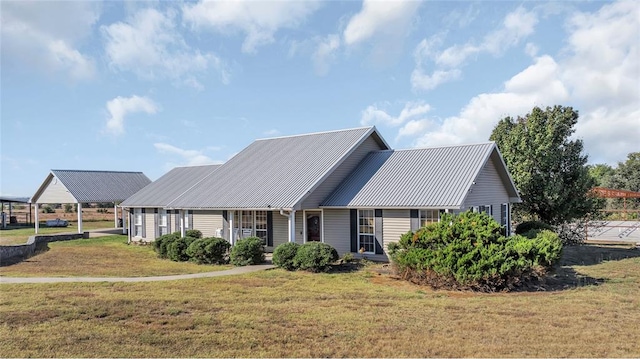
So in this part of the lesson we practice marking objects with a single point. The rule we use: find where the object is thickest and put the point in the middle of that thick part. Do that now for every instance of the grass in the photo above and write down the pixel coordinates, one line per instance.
(20, 235)
(355, 314)
(108, 256)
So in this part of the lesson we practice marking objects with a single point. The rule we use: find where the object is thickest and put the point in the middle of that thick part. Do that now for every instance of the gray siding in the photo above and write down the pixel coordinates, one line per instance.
(337, 229)
(55, 192)
(299, 228)
(207, 222)
(340, 173)
(488, 189)
(396, 222)
(149, 226)
(280, 229)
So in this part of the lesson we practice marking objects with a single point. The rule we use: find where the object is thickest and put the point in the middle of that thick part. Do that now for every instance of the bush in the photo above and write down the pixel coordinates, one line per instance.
(572, 233)
(48, 209)
(209, 251)
(68, 208)
(527, 226)
(193, 233)
(177, 249)
(160, 245)
(468, 252)
(283, 255)
(315, 257)
(247, 251)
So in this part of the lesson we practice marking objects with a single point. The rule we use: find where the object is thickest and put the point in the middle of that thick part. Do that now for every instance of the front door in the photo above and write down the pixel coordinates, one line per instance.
(314, 226)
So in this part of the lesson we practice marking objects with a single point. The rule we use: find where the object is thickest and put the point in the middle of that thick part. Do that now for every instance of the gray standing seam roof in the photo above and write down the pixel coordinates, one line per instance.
(274, 173)
(166, 188)
(437, 177)
(101, 186)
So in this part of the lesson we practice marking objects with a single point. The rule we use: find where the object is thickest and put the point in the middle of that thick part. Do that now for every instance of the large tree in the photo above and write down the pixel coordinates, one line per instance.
(547, 166)
(627, 176)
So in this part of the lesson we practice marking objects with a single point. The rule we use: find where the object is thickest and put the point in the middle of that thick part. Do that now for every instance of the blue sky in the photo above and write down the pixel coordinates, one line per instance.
(147, 86)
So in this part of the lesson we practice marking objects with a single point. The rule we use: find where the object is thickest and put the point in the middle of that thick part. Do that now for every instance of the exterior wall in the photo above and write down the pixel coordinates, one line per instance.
(489, 189)
(56, 192)
(280, 229)
(337, 229)
(149, 225)
(340, 173)
(299, 227)
(395, 222)
(207, 222)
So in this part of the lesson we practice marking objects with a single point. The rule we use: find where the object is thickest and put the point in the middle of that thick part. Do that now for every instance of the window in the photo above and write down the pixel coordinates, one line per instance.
(428, 216)
(250, 223)
(261, 226)
(187, 225)
(366, 231)
(504, 218)
(137, 222)
(162, 222)
(486, 209)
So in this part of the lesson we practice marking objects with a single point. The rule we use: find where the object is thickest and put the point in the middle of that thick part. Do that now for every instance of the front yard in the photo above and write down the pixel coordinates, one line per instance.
(283, 314)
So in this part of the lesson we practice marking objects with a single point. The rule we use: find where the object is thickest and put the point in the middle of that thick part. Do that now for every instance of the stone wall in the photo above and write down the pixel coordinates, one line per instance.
(12, 254)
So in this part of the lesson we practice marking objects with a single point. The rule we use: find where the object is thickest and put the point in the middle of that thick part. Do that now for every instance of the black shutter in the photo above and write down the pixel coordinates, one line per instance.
(225, 224)
(144, 224)
(269, 229)
(378, 231)
(415, 220)
(354, 230)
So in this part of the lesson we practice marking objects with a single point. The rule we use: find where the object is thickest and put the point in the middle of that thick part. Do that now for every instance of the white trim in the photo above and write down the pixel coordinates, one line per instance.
(304, 224)
(373, 235)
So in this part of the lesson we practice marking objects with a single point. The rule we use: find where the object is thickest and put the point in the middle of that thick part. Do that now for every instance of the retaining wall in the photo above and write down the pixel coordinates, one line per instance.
(12, 254)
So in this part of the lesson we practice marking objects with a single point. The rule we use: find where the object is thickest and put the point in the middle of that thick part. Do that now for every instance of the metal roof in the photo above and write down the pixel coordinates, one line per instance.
(171, 185)
(438, 177)
(97, 186)
(275, 172)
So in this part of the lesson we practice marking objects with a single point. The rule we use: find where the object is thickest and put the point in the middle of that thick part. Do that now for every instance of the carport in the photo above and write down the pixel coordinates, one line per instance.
(11, 200)
(78, 186)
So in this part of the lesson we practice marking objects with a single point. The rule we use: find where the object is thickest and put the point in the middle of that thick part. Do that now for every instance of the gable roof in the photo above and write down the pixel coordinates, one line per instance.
(96, 186)
(166, 188)
(438, 177)
(276, 172)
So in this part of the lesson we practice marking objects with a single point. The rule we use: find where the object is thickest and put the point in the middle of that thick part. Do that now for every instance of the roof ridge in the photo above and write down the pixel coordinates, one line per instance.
(103, 171)
(444, 146)
(314, 133)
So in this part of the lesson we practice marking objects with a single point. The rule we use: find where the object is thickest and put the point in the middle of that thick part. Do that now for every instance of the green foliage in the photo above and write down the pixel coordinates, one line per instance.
(527, 226)
(247, 251)
(210, 250)
(467, 251)
(315, 257)
(547, 167)
(68, 208)
(177, 249)
(161, 244)
(283, 255)
(193, 233)
(48, 209)
(627, 177)
(348, 257)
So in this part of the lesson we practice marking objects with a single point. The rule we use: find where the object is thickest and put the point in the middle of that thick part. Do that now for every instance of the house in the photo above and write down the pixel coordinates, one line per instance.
(347, 188)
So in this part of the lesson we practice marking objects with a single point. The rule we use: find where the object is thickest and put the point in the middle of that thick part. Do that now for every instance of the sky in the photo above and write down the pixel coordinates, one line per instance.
(147, 86)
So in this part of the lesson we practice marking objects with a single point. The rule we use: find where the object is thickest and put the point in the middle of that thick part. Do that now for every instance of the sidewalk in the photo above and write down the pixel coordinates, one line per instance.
(233, 271)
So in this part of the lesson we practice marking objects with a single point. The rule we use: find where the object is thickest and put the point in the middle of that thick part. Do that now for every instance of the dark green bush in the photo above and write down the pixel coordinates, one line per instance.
(160, 245)
(283, 255)
(209, 251)
(315, 257)
(193, 233)
(247, 251)
(527, 226)
(468, 252)
(177, 249)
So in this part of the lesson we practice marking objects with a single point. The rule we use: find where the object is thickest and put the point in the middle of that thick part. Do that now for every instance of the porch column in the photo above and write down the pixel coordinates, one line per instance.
(183, 232)
(35, 208)
(79, 217)
(292, 226)
(124, 221)
(231, 231)
(115, 215)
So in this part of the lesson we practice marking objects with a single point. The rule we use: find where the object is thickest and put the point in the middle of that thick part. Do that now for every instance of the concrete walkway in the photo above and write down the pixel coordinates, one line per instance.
(233, 271)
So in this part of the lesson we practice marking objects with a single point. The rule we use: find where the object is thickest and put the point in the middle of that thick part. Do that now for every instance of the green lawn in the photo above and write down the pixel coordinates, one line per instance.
(20, 235)
(591, 310)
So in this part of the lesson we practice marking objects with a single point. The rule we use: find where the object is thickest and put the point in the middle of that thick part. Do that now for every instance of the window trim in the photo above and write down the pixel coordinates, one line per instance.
(373, 231)
(137, 222)
(421, 211)
(162, 213)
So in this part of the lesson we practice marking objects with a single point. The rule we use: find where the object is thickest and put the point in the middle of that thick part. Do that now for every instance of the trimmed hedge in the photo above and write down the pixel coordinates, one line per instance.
(160, 245)
(284, 254)
(193, 233)
(315, 257)
(247, 251)
(210, 250)
(177, 249)
(467, 251)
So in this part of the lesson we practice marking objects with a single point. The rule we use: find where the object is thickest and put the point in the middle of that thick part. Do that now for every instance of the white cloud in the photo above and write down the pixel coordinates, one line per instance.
(39, 35)
(149, 45)
(390, 17)
(258, 20)
(325, 53)
(272, 132)
(120, 107)
(374, 115)
(189, 157)
(516, 26)
(413, 128)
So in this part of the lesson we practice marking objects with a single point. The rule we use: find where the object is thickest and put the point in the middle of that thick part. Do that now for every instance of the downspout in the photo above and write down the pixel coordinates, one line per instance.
(292, 224)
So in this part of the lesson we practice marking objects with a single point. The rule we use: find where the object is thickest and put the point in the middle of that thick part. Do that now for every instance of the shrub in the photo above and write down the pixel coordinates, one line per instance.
(283, 255)
(572, 233)
(315, 257)
(193, 233)
(177, 249)
(68, 208)
(210, 250)
(467, 251)
(527, 226)
(247, 251)
(48, 209)
(160, 245)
